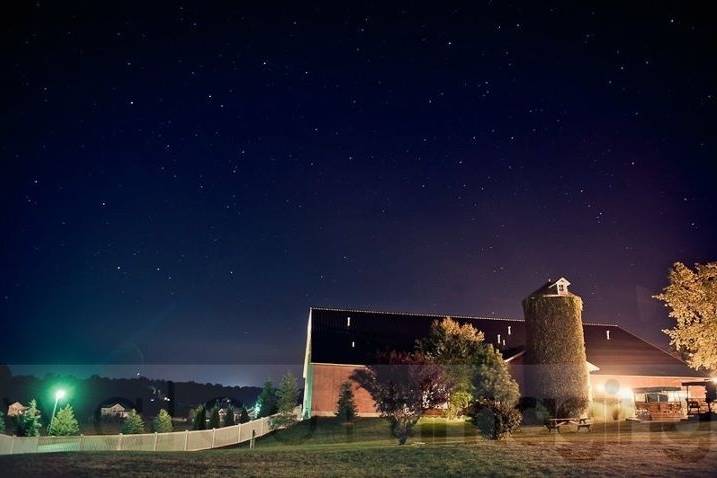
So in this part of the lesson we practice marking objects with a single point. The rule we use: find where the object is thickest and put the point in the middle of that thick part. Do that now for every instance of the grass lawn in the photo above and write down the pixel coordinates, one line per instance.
(438, 448)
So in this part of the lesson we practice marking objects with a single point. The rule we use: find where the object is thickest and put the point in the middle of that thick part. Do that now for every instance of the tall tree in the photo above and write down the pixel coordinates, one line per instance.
(65, 423)
(162, 423)
(287, 395)
(346, 406)
(28, 424)
(229, 416)
(495, 395)
(404, 385)
(133, 424)
(215, 420)
(455, 346)
(691, 297)
(199, 419)
(266, 404)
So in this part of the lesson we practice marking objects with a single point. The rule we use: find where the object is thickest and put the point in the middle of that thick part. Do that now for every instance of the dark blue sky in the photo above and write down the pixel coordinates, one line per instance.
(180, 182)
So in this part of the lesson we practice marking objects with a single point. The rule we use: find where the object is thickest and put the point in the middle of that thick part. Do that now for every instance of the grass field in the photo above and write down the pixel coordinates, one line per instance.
(326, 448)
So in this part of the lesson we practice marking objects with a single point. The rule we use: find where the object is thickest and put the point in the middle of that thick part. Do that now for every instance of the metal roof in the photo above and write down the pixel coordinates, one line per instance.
(337, 339)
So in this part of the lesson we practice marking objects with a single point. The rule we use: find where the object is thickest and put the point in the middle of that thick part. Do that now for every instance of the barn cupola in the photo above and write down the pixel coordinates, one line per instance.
(559, 287)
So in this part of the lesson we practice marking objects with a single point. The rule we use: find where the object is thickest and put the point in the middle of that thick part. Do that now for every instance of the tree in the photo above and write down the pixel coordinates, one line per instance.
(346, 406)
(244, 416)
(65, 423)
(492, 380)
(266, 404)
(28, 424)
(2, 422)
(215, 420)
(404, 385)
(496, 395)
(229, 418)
(287, 395)
(691, 297)
(162, 423)
(199, 420)
(133, 424)
(456, 347)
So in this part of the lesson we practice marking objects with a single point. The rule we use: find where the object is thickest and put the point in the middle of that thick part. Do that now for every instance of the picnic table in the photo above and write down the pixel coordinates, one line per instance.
(556, 423)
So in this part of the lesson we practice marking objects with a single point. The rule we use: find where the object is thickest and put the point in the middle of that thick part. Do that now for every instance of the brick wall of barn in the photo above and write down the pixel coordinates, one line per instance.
(327, 380)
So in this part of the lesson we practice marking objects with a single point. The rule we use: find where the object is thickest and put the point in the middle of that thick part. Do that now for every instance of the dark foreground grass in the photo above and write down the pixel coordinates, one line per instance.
(439, 448)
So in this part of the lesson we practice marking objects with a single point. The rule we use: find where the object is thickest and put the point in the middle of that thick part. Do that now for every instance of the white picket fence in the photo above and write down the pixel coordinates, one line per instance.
(194, 440)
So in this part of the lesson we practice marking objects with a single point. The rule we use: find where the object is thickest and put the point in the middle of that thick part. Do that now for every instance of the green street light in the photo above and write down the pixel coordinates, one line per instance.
(59, 395)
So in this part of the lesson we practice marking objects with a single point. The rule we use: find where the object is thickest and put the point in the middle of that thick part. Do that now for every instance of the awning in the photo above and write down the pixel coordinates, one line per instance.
(656, 389)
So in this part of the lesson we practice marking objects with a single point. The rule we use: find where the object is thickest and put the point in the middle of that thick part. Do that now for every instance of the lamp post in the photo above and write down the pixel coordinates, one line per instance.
(59, 395)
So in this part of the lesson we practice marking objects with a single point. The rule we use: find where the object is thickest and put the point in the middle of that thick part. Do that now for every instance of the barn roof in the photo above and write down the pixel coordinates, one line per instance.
(345, 336)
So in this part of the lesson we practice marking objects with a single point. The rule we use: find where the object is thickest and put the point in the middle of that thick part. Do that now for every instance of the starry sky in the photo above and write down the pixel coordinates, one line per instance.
(181, 181)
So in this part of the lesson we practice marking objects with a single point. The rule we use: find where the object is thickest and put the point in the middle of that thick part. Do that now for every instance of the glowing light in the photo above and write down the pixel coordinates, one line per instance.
(625, 393)
(60, 394)
(714, 379)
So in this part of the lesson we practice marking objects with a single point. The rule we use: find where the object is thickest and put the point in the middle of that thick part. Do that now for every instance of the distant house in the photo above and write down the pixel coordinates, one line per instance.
(621, 366)
(16, 409)
(116, 410)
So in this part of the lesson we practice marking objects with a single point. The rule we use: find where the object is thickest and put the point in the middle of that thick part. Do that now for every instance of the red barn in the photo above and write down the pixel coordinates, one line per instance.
(624, 369)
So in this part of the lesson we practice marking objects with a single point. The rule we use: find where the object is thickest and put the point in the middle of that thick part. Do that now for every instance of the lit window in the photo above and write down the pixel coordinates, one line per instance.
(348, 321)
(509, 330)
(353, 344)
(607, 334)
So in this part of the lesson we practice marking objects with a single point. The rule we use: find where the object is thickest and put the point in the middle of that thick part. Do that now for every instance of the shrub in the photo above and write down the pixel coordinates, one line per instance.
(133, 424)
(458, 404)
(2, 422)
(346, 406)
(65, 423)
(496, 420)
(162, 423)
(534, 411)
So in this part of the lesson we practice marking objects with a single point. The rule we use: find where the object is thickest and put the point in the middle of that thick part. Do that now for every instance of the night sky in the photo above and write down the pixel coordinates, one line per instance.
(180, 182)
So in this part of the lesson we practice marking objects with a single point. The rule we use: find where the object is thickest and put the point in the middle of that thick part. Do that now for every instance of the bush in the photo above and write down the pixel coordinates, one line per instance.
(162, 423)
(346, 406)
(535, 412)
(2, 422)
(65, 423)
(133, 424)
(458, 404)
(496, 420)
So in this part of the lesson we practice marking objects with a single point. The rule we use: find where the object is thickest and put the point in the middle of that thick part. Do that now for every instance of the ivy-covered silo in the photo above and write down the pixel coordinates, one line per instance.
(556, 371)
